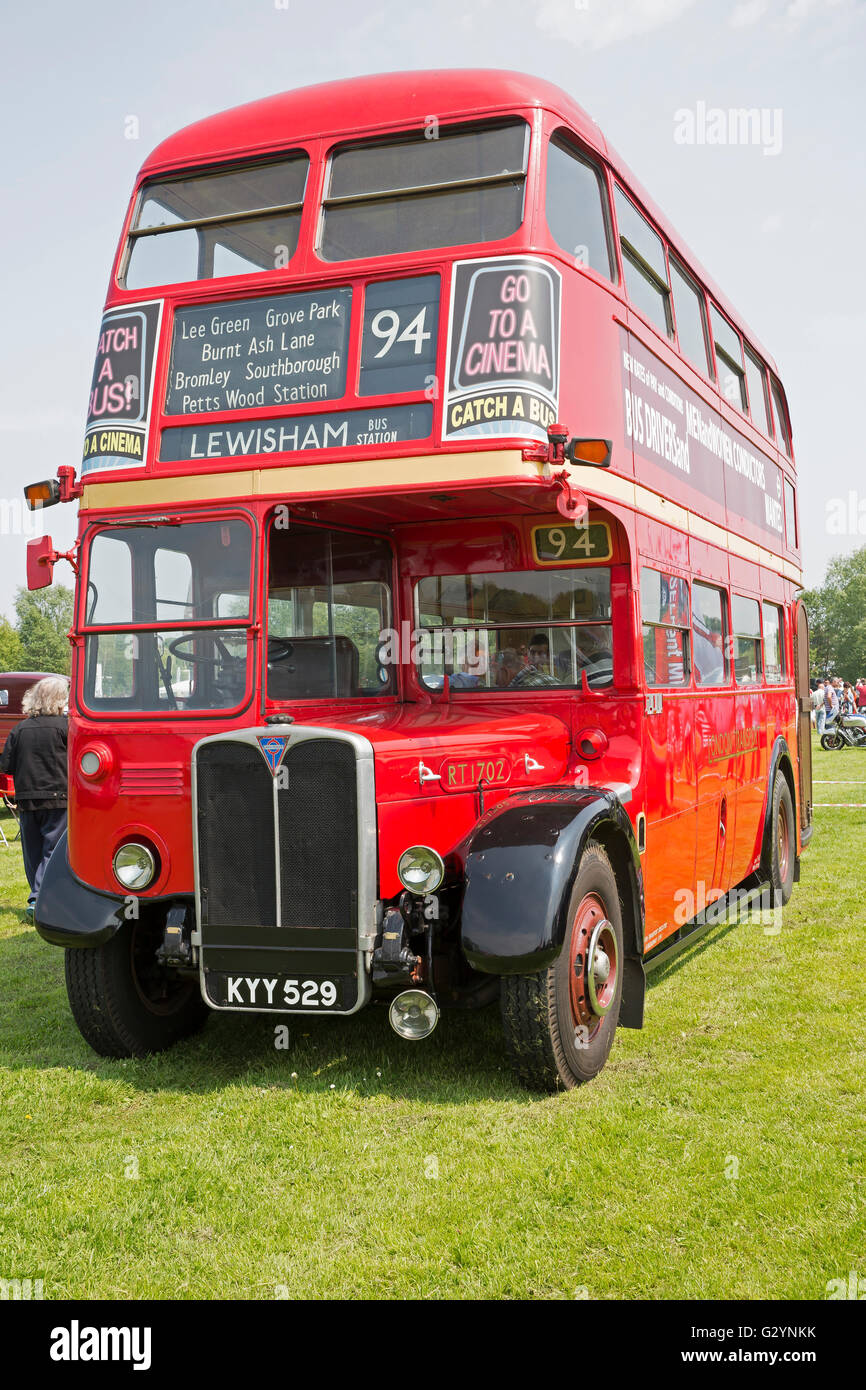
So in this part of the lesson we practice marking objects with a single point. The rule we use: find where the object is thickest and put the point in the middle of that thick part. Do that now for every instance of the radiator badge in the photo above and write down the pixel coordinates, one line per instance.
(273, 747)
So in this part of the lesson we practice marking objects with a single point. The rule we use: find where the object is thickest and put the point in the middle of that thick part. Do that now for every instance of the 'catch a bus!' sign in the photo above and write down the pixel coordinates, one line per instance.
(503, 349)
(119, 408)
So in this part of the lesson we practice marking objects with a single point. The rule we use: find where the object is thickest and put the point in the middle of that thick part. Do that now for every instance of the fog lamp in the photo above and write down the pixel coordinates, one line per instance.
(413, 1014)
(420, 870)
(134, 866)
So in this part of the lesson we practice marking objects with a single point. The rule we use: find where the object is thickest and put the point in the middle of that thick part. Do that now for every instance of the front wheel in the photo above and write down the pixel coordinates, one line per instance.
(559, 1024)
(830, 742)
(125, 1003)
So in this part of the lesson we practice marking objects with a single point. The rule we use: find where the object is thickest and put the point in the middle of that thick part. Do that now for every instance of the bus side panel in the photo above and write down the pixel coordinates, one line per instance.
(670, 791)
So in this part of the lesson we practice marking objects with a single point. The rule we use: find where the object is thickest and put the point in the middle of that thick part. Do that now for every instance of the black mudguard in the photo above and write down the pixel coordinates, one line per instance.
(521, 860)
(68, 913)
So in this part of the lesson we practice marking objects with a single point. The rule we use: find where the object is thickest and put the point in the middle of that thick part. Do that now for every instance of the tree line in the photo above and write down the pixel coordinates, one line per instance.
(37, 639)
(837, 618)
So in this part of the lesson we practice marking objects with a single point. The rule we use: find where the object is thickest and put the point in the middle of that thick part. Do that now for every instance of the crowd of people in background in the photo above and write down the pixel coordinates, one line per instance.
(833, 696)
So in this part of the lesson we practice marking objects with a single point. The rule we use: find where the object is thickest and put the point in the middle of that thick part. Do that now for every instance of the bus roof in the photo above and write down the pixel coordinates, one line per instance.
(388, 100)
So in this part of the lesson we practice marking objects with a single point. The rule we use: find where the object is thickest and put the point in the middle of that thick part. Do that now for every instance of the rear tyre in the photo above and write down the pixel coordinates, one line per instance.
(124, 1002)
(559, 1024)
(783, 846)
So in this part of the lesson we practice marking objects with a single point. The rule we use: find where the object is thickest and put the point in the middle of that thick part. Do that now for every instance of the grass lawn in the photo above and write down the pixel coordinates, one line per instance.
(720, 1154)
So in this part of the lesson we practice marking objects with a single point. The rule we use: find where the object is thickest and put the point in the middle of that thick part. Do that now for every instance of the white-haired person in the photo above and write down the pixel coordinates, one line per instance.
(35, 756)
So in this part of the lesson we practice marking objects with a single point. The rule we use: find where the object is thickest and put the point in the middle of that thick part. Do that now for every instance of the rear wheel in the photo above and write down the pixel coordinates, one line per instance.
(559, 1024)
(125, 1003)
(783, 848)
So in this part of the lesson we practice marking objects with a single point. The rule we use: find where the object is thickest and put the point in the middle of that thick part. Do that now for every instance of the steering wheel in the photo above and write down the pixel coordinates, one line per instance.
(279, 649)
(195, 659)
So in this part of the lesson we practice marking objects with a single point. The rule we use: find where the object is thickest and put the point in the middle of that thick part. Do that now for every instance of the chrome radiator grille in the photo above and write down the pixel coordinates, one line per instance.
(285, 856)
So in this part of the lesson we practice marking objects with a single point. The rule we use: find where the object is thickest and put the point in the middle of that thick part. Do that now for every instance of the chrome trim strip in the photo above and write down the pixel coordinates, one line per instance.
(621, 790)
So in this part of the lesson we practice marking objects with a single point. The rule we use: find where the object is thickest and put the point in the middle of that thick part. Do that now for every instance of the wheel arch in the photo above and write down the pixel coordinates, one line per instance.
(781, 764)
(520, 864)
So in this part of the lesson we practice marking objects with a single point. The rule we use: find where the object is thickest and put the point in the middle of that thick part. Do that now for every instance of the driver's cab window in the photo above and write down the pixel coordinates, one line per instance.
(329, 614)
(173, 575)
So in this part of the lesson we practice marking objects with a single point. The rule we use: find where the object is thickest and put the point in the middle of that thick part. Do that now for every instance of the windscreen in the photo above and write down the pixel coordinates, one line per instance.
(172, 605)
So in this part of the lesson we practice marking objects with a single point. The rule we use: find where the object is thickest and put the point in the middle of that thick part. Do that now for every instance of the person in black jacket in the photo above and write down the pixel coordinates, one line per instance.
(35, 757)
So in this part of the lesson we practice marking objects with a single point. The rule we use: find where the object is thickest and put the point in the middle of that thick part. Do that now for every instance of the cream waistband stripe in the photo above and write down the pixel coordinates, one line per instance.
(423, 470)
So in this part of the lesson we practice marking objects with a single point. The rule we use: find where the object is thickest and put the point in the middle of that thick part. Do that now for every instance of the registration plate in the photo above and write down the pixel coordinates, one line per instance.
(283, 993)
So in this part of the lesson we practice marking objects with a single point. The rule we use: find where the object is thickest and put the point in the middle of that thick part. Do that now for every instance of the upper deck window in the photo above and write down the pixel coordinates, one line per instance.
(691, 320)
(206, 226)
(644, 266)
(759, 407)
(575, 205)
(783, 428)
(414, 193)
(729, 354)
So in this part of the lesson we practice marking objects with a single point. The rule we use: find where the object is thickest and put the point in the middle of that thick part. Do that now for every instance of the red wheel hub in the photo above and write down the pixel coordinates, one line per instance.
(594, 971)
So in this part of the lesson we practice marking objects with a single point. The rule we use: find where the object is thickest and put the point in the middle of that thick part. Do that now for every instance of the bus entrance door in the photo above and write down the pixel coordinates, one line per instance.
(717, 796)
(669, 766)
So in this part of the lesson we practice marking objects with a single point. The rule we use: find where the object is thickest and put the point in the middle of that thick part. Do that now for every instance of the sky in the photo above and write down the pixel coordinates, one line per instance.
(89, 89)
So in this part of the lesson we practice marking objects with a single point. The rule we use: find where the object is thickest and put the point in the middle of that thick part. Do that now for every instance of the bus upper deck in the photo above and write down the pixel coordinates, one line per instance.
(387, 303)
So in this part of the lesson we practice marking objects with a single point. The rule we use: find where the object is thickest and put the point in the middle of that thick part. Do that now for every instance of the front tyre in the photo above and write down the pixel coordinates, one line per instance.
(830, 742)
(559, 1024)
(125, 1003)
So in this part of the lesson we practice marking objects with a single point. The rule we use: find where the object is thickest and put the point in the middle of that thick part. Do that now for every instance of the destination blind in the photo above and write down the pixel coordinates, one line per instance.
(289, 349)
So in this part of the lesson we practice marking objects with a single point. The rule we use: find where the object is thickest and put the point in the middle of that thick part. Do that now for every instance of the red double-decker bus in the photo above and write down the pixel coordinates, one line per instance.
(437, 633)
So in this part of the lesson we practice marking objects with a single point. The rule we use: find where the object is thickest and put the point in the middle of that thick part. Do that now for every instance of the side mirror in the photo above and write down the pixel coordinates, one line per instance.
(40, 562)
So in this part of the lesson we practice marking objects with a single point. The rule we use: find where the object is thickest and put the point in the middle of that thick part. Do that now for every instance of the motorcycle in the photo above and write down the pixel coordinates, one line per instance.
(844, 731)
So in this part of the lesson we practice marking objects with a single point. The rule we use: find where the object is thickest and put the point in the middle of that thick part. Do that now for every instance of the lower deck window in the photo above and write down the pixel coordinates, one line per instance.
(529, 630)
(748, 652)
(774, 644)
(665, 618)
(710, 635)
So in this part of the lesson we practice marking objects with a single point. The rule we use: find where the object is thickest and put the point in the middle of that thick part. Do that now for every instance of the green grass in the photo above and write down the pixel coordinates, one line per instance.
(355, 1165)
